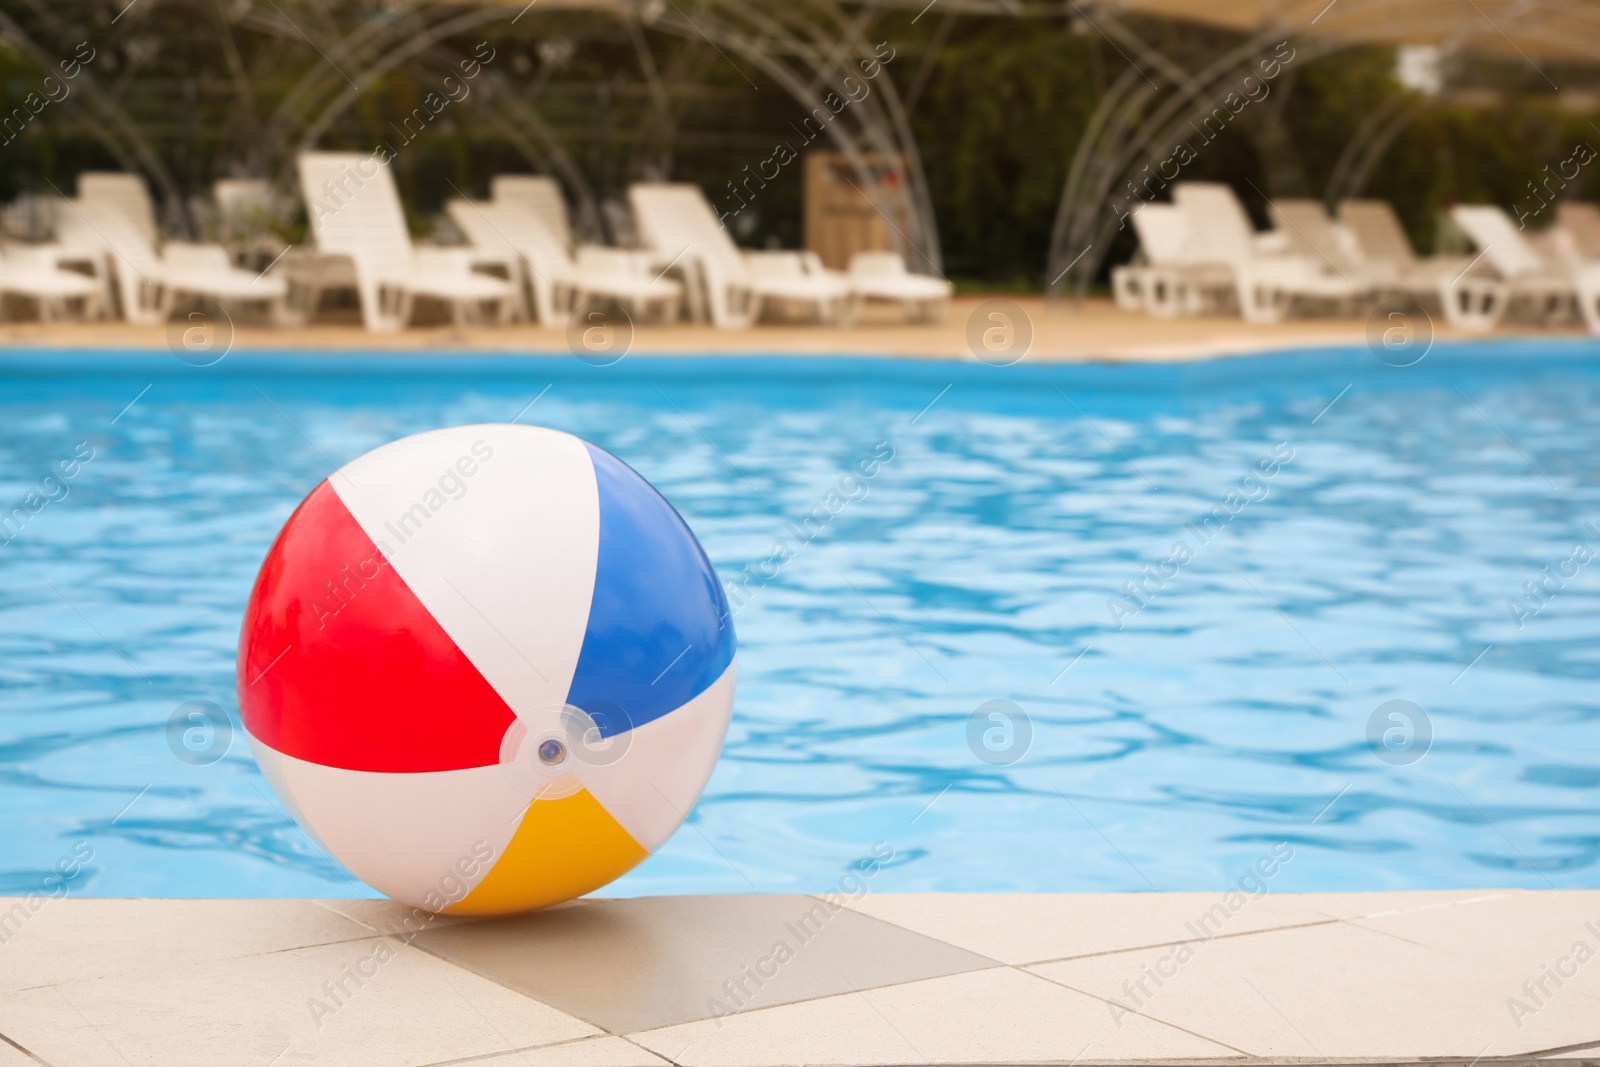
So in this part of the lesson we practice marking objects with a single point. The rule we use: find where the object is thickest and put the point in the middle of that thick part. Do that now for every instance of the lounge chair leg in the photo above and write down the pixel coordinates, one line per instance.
(384, 307)
(1128, 284)
(1259, 302)
(300, 302)
(1471, 304)
(849, 310)
(1165, 293)
(1587, 296)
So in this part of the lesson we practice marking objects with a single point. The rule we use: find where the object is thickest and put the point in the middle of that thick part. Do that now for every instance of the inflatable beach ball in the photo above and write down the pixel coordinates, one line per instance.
(488, 668)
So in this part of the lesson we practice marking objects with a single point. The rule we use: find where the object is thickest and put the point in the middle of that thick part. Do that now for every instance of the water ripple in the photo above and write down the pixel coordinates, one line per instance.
(1178, 732)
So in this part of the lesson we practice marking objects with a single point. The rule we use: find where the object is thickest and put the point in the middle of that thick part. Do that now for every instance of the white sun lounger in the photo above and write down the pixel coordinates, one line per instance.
(558, 281)
(628, 276)
(1381, 243)
(796, 283)
(1165, 281)
(114, 211)
(1268, 285)
(1578, 230)
(1540, 288)
(150, 283)
(122, 193)
(247, 209)
(32, 272)
(74, 246)
(676, 223)
(883, 276)
(538, 194)
(1156, 264)
(355, 212)
(207, 270)
(126, 194)
(1311, 234)
(1470, 301)
(1467, 302)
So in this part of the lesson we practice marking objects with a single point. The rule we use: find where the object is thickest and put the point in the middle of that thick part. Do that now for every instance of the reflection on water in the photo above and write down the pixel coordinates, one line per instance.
(1198, 583)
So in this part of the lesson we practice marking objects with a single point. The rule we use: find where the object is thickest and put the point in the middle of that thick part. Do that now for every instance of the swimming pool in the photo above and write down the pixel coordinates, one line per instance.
(1355, 534)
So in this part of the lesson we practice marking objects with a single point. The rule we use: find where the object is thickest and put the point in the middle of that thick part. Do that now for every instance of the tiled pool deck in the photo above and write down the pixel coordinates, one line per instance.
(1457, 977)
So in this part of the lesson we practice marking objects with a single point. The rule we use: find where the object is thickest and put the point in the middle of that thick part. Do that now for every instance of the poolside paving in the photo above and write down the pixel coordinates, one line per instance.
(1459, 977)
(1060, 332)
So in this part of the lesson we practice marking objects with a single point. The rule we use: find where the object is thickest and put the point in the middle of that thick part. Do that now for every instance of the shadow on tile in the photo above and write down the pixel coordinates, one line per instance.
(642, 963)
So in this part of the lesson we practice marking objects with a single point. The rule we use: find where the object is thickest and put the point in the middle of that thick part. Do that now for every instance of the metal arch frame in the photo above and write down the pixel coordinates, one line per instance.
(386, 48)
(548, 150)
(120, 135)
(1361, 174)
(1353, 170)
(318, 76)
(794, 49)
(1101, 159)
(915, 190)
(653, 142)
(806, 49)
(800, 46)
(379, 46)
(665, 123)
(244, 105)
(814, 55)
(1121, 142)
(1366, 147)
(384, 63)
(514, 118)
(887, 126)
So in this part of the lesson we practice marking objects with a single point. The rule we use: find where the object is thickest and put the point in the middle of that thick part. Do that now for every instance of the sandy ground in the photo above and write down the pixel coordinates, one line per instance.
(1060, 332)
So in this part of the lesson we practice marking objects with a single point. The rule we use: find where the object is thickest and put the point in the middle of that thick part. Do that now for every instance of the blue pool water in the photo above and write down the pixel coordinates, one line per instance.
(1173, 742)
